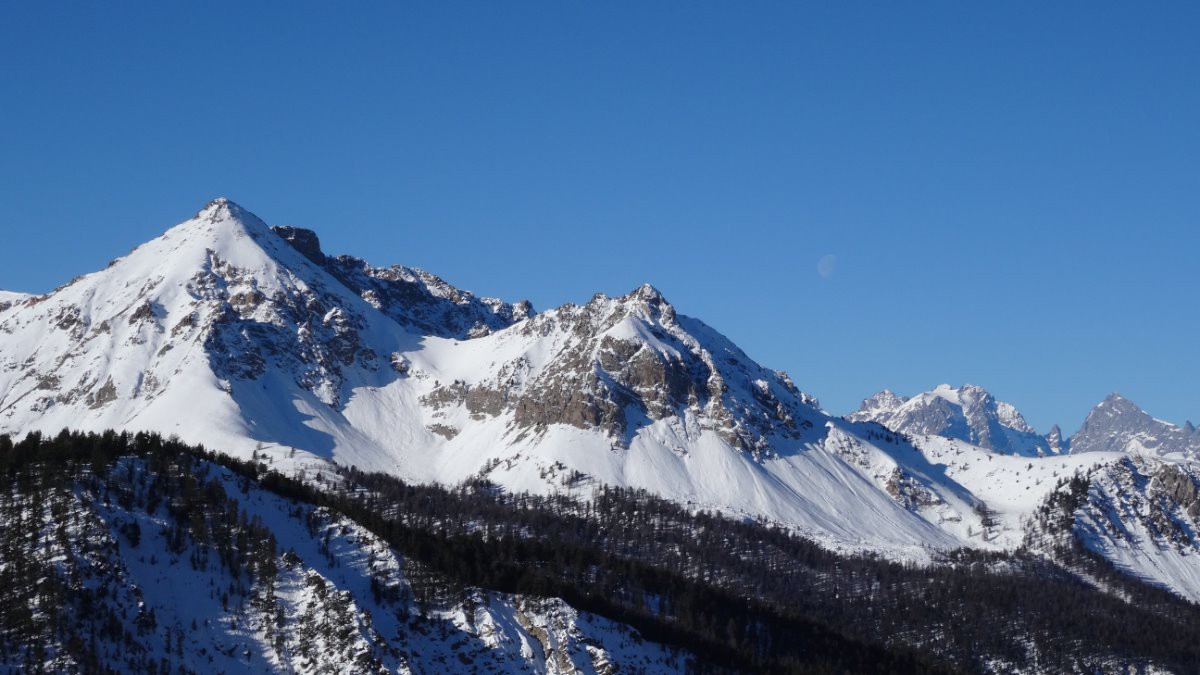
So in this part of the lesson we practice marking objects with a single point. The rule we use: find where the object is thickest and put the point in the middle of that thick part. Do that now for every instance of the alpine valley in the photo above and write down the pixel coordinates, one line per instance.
(262, 430)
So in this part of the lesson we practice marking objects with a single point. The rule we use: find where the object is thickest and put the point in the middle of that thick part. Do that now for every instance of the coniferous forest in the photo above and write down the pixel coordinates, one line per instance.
(727, 595)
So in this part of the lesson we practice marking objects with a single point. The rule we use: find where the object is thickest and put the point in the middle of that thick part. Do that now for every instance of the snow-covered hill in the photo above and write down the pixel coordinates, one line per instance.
(251, 339)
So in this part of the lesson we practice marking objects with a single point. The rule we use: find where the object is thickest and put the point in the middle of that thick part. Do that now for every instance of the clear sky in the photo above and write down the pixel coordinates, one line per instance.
(865, 195)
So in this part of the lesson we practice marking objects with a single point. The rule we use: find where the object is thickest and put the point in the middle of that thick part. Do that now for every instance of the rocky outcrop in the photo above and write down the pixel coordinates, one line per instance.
(107, 393)
(299, 329)
(908, 491)
(304, 241)
(619, 364)
(425, 301)
(1178, 488)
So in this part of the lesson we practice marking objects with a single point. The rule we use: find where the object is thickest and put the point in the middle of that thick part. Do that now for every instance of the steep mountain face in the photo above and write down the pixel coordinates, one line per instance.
(969, 413)
(1116, 424)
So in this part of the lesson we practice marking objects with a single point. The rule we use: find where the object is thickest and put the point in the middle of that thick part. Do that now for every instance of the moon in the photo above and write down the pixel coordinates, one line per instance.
(826, 265)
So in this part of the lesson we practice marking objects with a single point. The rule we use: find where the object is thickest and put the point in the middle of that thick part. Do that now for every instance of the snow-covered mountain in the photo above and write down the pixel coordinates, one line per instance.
(1116, 424)
(251, 339)
(968, 413)
(226, 332)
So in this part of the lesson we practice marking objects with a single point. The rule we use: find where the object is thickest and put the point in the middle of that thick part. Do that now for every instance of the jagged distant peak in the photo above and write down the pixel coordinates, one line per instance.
(647, 293)
(962, 395)
(1117, 424)
(965, 395)
(1118, 401)
(1115, 405)
(969, 413)
(885, 399)
(649, 302)
(1057, 442)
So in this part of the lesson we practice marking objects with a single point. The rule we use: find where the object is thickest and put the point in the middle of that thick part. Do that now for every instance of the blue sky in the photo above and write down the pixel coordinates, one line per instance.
(1007, 195)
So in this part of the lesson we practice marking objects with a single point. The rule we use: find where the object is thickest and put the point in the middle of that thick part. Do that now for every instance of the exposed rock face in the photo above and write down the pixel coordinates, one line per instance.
(621, 363)
(304, 241)
(908, 491)
(1179, 487)
(299, 329)
(969, 413)
(143, 312)
(106, 394)
(1055, 440)
(424, 301)
(412, 296)
(1116, 424)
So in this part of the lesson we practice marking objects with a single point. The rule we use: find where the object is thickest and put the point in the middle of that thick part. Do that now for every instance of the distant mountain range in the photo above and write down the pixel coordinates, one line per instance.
(253, 340)
(973, 415)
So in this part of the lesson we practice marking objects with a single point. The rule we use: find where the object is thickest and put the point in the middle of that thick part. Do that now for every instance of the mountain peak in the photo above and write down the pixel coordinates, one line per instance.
(969, 413)
(1117, 399)
(225, 209)
(885, 399)
(648, 293)
(1117, 424)
(1115, 405)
